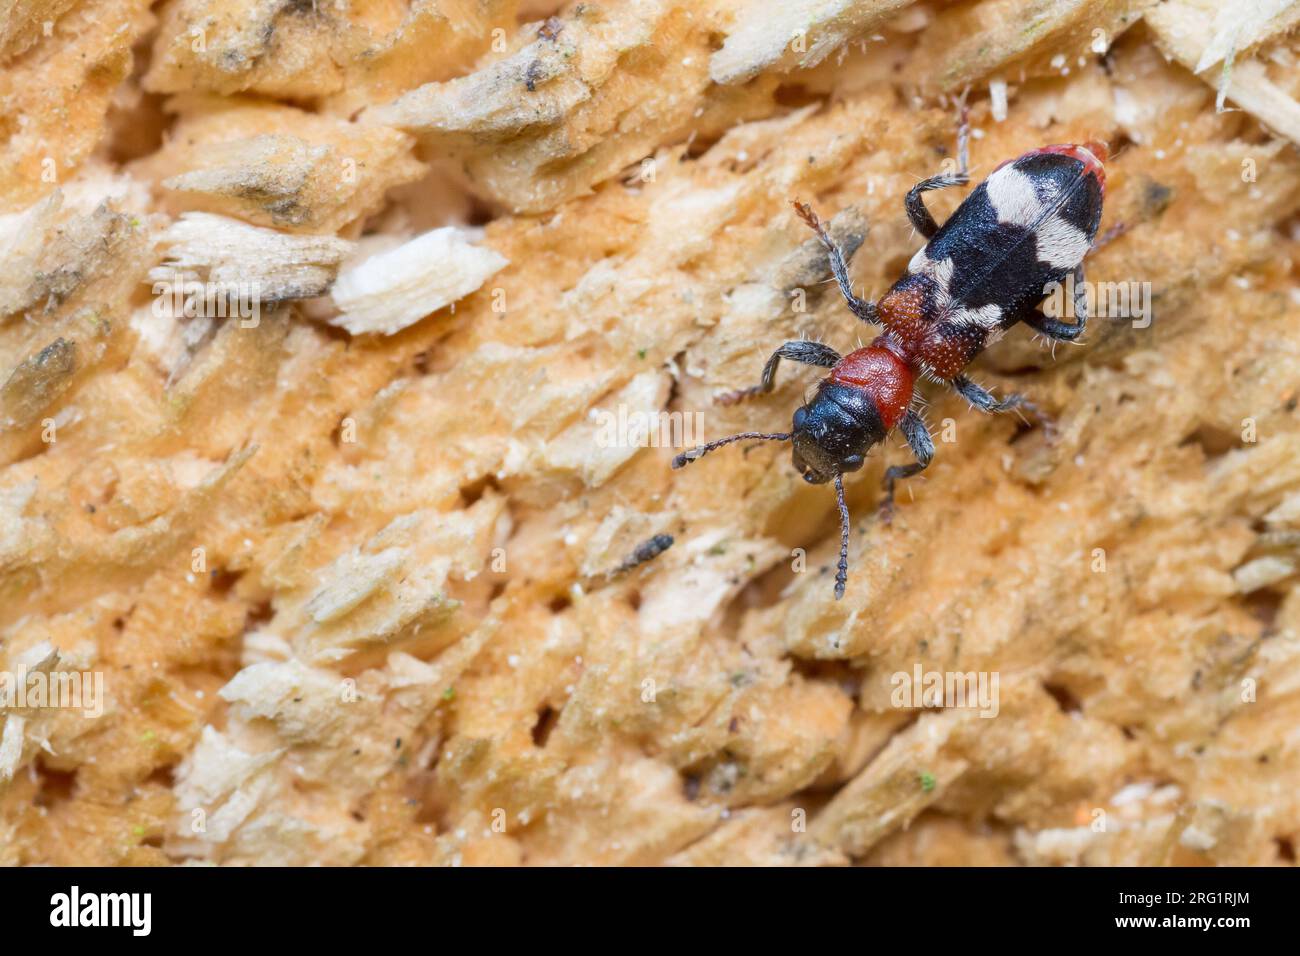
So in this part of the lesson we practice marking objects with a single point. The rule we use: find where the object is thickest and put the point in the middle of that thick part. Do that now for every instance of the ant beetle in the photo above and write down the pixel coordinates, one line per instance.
(1027, 226)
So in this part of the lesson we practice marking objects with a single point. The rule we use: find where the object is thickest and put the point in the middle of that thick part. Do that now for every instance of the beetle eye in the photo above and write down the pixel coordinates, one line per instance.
(852, 463)
(800, 416)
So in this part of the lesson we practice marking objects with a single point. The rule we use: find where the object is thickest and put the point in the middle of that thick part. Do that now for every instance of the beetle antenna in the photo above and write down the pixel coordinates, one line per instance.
(842, 573)
(686, 457)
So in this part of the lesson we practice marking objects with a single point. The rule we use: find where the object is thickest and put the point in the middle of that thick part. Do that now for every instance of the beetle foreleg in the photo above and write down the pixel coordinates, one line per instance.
(809, 353)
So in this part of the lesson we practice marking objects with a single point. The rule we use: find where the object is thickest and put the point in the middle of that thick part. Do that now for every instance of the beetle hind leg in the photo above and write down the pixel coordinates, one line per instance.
(1064, 331)
(922, 221)
(985, 401)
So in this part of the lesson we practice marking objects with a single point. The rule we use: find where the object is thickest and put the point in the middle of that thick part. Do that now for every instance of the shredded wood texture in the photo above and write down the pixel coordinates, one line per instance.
(343, 561)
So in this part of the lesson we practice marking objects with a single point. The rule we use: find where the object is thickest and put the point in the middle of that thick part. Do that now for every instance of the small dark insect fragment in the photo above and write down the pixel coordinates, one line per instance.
(647, 550)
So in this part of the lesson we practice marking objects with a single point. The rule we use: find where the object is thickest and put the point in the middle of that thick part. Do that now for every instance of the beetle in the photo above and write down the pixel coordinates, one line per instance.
(1019, 233)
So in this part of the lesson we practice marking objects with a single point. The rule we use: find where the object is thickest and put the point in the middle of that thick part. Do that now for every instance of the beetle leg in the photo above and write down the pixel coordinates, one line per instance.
(864, 310)
(809, 353)
(1064, 331)
(921, 219)
(922, 445)
(983, 399)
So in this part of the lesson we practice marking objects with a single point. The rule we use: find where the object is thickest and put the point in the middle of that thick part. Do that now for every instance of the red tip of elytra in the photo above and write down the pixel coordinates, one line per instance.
(1092, 154)
(1098, 148)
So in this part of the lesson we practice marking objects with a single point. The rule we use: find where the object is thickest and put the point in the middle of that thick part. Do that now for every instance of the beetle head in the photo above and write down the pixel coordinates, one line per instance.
(833, 433)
